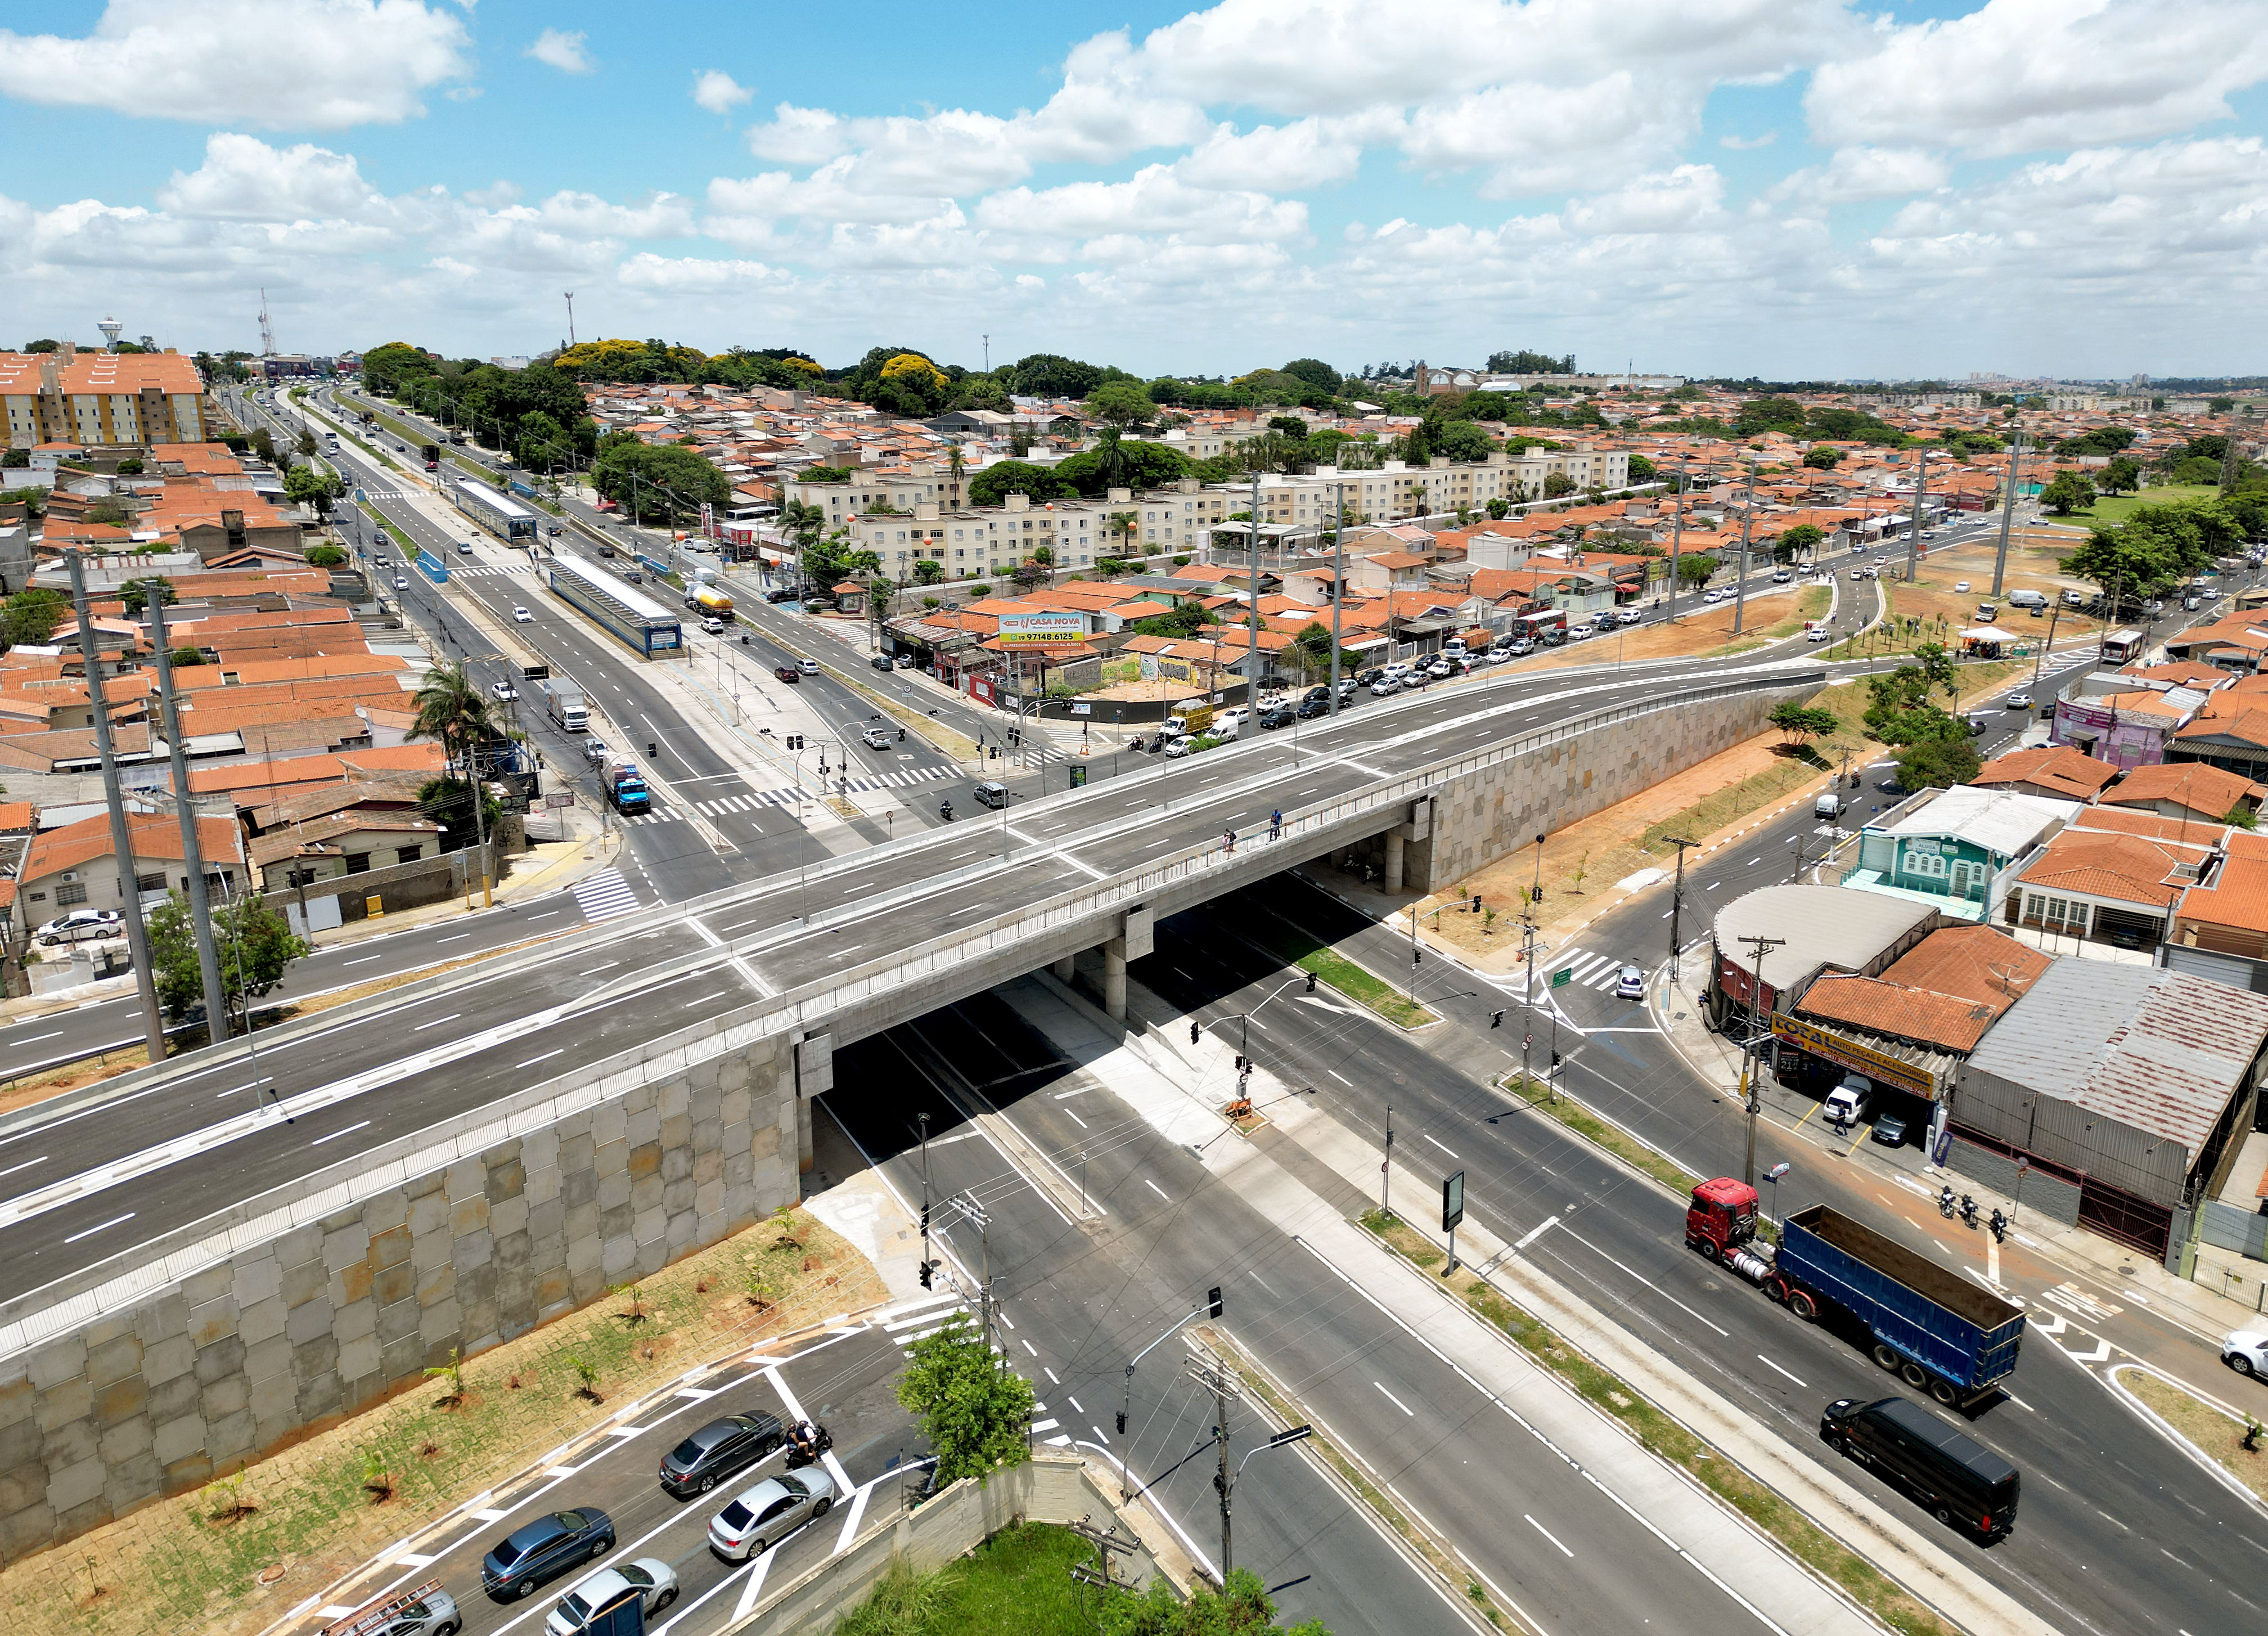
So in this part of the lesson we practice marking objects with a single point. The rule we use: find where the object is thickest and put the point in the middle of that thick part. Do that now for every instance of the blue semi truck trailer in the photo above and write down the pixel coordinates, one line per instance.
(1955, 1339)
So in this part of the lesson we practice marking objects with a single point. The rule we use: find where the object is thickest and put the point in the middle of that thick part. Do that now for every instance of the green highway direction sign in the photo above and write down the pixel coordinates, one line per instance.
(1562, 977)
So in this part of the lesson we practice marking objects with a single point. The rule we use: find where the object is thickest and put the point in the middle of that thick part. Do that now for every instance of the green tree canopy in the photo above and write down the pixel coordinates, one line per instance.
(1241, 1608)
(1557, 484)
(28, 618)
(326, 556)
(973, 1410)
(1121, 403)
(1315, 372)
(1802, 537)
(303, 485)
(2122, 476)
(1002, 478)
(1141, 465)
(663, 483)
(2068, 492)
(255, 944)
(1823, 457)
(1695, 567)
(1802, 722)
(135, 594)
(1641, 470)
(2102, 440)
(1939, 763)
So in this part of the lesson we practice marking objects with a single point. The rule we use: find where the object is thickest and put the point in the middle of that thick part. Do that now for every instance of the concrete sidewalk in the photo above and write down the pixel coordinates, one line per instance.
(1178, 1090)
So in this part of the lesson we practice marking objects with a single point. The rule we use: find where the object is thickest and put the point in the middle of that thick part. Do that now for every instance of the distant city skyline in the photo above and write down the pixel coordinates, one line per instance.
(1798, 189)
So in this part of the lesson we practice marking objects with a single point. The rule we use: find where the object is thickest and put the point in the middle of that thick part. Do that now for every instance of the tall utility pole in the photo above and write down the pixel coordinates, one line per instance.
(1385, 1169)
(1747, 520)
(1752, 1093)
(1528, 1000)
(1252, 640)
(1338, 581)
(1677, 533)
(2007, 512)
(1677, 903)
(570, 317)
(1913, 523)
(121, 841)
(192, 861)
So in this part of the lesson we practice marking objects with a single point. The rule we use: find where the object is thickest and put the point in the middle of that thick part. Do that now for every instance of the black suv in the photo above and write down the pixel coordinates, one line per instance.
(1309, 709)
(1278, 717)
(545, 1549)
(718, 1450)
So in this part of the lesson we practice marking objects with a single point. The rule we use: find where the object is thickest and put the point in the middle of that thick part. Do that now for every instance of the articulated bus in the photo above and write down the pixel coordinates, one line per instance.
(502, 516)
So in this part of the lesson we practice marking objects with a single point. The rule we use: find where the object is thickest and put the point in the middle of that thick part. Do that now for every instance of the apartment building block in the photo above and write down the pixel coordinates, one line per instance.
(101, 400)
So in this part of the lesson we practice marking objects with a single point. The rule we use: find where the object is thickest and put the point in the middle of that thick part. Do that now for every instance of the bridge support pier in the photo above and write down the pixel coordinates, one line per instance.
(814, 1077)
(1393, 845)
(1066, 968)
(1134, 940)
(1114, 978)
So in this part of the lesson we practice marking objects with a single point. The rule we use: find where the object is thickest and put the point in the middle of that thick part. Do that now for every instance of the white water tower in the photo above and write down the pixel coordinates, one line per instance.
(111, 330)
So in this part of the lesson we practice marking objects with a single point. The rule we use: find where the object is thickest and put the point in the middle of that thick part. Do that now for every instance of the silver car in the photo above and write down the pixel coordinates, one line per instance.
(769, 1512)
(649, 1582)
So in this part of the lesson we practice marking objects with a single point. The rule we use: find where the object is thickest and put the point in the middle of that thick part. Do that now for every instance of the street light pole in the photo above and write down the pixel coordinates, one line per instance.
(1677, 903)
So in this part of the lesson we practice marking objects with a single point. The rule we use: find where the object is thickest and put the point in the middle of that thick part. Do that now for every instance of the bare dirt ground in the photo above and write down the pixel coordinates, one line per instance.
(1707, 629)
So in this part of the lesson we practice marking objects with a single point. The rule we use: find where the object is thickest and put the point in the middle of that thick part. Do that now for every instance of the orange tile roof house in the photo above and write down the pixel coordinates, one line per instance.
(2186, 790)
(2115, 884)
(2228, 911)
(2055, 771)
(73, 868)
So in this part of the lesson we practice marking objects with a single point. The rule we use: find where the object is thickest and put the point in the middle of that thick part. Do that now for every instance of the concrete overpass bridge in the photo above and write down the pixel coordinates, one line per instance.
(206, 1255)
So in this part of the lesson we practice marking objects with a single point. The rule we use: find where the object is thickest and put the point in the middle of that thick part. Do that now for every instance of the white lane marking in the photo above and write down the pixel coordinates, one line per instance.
(99, 1227)
(1076, 1406)
(1034, 1351)
(437, 1022)
(1775, 1369)
(452, 938)
(1538, 1231)
(1154, 1187)
(1549, 1535)
(595, 970)
(1077, 1120)
(1396, 1402)
(1450, 1150)
(41, 1159)
(363, 961)
(1341, 1078)
(349, 1130)
(547, 1056)
(851, 1524)
(58, 1034)
(1642, 1278)
(754, 1588)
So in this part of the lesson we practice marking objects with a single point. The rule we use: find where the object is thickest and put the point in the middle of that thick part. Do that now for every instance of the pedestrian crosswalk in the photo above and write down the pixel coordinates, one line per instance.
(1591, 970)
(910, 1323)
(606, 895)
(755, 800)
(478, 569)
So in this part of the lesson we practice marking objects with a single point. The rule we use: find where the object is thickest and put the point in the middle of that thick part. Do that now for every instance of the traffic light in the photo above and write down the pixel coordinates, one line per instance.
(1212, 1301)
(795, 741)
(1311, 983)
(926, 1266)
(1240, 1064)
(901, 735)
(1195, 1030)
(1477, 903)
(1496, 1019)
(1121, 1423)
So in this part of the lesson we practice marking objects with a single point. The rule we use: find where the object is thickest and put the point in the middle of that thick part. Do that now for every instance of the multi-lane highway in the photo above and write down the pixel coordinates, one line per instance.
(2117, 1533)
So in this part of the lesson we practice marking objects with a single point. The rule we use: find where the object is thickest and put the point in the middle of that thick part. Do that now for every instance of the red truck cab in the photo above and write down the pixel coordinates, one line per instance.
(1721, 1218)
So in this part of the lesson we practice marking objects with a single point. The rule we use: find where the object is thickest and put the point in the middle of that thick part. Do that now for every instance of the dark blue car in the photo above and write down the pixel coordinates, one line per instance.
(544, 1549)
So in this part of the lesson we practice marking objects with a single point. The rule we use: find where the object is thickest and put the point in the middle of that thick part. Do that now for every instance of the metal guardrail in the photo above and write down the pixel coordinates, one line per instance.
(131, 1274)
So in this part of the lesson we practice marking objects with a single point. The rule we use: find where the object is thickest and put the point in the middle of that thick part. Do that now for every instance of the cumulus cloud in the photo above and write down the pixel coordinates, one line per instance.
(2018, 76)
(288, 64)
(243, 179)
(718, 91)
(1856, 174)
(564, 50)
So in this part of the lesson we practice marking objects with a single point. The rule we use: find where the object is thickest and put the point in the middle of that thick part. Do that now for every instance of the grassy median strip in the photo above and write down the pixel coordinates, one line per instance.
(1438, 1553)
(1599, 1132)
(1296, 946)
(1666, 1438)
(318, 1509)
(2214, 1433)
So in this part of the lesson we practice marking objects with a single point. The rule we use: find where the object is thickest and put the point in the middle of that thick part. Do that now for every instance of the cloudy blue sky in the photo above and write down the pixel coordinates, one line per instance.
(1793, 187)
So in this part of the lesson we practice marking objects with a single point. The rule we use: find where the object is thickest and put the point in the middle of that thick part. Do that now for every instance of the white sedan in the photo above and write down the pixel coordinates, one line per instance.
(649, 1582)
(521, 616)
(2246, 1352)
(503, 692)
(82, 926)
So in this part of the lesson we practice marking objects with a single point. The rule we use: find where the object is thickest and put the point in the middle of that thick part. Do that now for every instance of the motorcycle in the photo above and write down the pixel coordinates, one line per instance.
(1945, 1203)
(806, 1443)
(1968, 1211)
(1999, 1226)
(945, 811)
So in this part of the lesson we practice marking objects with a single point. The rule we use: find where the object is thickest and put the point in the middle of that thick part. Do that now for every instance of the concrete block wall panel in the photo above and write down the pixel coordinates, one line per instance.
(1478, 819)
(329, 1317)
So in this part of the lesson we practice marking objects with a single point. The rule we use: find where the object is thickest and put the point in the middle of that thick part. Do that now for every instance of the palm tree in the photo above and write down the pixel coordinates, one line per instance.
(452, 707)
(804, 523)
(955, 463)
(1124, 524)
(1110, 459)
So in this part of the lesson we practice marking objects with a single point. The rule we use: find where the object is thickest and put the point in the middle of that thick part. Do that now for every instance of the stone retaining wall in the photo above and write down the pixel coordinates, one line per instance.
(328, 1317)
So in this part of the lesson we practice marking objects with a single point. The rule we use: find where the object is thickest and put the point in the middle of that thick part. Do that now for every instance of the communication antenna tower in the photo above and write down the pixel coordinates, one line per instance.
(267, 329)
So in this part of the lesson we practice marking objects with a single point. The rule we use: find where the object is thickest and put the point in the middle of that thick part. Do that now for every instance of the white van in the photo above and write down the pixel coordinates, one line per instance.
(2028, 599)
